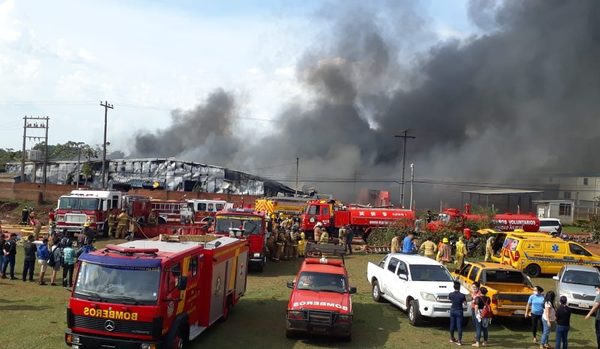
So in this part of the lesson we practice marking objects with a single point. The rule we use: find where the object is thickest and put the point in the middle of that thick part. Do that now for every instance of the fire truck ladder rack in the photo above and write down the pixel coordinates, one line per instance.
(184, 238)
(131, 251)
(318, 250)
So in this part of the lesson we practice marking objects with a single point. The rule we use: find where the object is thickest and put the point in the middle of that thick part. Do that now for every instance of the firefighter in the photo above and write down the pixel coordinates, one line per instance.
(280, 244)
(318, 231)
(271, 244)
(122, 224)
(444, 252)
(131, 229)
(153, 218)
(294, 241)
(429, 248)
(324, 239)
(112, 220)
(342, 236)
(302, 245)
(461, 252)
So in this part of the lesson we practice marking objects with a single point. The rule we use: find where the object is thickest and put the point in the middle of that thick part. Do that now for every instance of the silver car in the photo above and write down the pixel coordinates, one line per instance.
(576, 282)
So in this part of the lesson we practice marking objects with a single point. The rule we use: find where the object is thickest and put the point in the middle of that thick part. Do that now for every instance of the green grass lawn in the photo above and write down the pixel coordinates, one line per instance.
(33, 316)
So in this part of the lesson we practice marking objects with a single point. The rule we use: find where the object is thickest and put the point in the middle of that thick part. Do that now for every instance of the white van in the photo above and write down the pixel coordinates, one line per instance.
(550, 225)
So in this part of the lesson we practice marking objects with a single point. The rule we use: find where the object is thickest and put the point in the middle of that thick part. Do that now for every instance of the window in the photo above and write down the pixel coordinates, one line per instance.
(174, 274)
(220, 207)
(201, 207)
(115, 202)
(585, 181)
(465, 270)
(392, 265)
(325, 211)
(474, 273)
(567, 195)
(402, 269)
(578, 250)
(382, 263)
(564, 210)
(506, 276)
(211, 208)
(193, 268)
(313, 210)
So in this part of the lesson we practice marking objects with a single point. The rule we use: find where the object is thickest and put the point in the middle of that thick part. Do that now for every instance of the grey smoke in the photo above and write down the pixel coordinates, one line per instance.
(520, 98)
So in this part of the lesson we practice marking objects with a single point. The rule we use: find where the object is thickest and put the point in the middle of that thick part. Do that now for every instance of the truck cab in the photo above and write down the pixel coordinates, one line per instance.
(321, 301)
(154, 294)
(81, 206)
(317, 211)
(416, 284)
(508, 288)
(245, 224)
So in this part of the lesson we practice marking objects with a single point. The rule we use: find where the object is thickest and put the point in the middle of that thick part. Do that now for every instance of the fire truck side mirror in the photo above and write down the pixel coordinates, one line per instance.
(182, 283)
(290, 284)
(352, 290)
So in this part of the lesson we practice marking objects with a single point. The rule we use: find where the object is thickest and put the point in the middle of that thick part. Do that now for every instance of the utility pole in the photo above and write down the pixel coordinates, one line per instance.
(27, 125)
(405, 137)
(297, 173)
(412, 179)
(106, 107)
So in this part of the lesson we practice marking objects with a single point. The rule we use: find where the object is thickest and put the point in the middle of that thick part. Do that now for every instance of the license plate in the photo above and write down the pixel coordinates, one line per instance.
(519, 312)
(584, 305)
(319, 329)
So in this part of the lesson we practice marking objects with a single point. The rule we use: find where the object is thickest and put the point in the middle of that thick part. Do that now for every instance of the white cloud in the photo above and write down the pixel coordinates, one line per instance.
(9, 25)
(287, 72)
(28, 70)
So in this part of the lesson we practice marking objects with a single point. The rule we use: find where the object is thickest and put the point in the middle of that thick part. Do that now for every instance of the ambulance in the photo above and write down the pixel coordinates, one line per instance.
(536, 255)
(149, 294)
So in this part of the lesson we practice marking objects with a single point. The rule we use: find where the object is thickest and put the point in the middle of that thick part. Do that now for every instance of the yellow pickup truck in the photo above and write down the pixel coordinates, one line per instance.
(508, 288)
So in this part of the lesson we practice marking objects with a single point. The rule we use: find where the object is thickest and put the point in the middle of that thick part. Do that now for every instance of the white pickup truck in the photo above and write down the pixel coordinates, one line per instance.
(416, 284)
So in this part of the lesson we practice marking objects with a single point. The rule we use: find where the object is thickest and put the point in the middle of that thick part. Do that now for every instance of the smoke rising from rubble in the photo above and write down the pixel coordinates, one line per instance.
(520, 98)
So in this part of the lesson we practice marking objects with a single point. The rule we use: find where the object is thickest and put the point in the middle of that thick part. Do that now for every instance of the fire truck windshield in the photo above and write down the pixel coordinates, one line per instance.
(110, 283)
(250, 225)
(76, 203)
(322, 282)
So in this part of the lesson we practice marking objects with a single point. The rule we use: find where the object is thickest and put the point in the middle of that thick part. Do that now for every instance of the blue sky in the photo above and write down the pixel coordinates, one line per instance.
(60, 58)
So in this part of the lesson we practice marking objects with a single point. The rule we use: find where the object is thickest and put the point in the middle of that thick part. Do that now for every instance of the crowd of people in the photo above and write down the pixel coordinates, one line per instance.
(440, 251)
(286, 242)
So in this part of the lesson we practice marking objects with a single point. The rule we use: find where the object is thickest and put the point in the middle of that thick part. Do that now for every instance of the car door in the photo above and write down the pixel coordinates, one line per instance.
(389, 276)
(578, 254)
(463, 276)
(401, 283)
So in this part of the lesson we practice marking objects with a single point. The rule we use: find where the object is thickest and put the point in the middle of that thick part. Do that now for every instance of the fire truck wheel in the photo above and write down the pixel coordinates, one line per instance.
(226, 310)
(261, 267)
(533, 270)
(376, 292)
(178, 340)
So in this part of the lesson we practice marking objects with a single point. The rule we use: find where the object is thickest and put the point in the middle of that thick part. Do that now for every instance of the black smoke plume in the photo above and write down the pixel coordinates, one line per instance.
(520, 98)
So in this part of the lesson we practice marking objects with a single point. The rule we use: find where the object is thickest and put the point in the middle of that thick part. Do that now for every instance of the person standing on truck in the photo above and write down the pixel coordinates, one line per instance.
(535, 309)
(122, 223)
(489, 249)
(408, 244)
(29, 254)
(395, 244)
(10, 253)
(456, 313)
(461, 252)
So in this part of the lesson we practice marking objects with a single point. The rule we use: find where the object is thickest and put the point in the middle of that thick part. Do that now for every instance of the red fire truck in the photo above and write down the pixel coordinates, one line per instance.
(154, 294)
(249, 225)
(82, 206)
(364, 219)
(321, 301)
(501, 221)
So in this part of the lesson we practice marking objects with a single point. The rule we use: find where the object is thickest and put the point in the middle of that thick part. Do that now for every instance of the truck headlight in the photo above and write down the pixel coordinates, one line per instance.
(147, 346)
(428, 296)
(295, 315)
(256, 255)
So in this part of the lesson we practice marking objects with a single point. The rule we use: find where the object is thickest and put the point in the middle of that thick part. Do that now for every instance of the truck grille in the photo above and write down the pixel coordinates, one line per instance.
(584, 297)
(516, 298)
(324, 318)
(120, 326)
(443, 298)
(75, 218)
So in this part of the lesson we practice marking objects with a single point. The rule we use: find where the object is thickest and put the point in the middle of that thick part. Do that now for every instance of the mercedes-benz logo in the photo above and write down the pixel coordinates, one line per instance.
(109, 325)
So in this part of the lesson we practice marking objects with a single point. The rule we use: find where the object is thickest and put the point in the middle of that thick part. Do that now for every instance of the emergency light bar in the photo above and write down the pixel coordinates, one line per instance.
(335, 262)
(131, 250)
